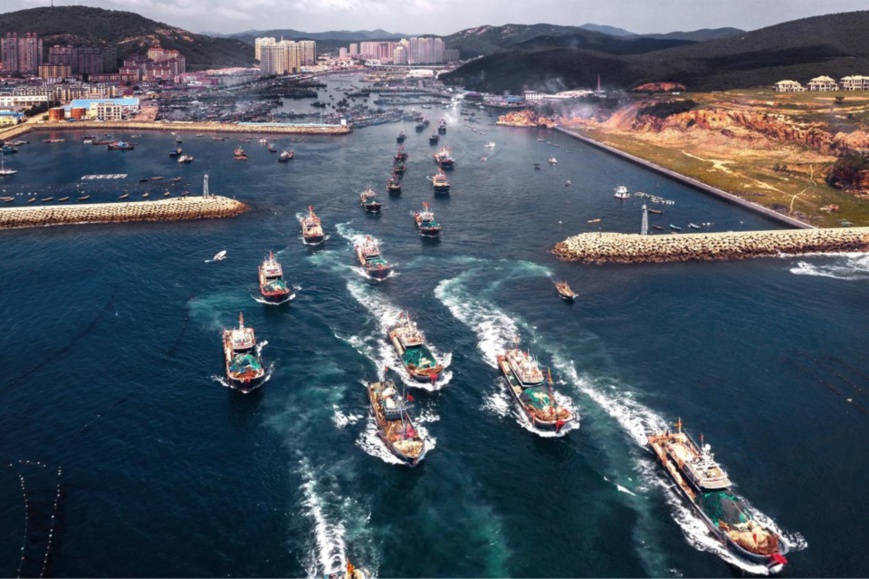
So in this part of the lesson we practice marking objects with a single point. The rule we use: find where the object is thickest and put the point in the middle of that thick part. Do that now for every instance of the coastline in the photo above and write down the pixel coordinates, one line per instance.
(691, 182)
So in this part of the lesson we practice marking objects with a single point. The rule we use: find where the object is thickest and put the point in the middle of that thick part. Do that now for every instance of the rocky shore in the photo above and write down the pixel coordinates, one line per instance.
(631, 248)
(179, 209)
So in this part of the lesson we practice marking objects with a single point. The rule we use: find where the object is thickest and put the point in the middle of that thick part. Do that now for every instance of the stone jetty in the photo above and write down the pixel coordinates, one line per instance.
(632, 248)
(178, 209)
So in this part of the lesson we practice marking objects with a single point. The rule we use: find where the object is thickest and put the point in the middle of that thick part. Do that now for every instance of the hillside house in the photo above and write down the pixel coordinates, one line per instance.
(788, 86)
(822, 84)
(856, 82)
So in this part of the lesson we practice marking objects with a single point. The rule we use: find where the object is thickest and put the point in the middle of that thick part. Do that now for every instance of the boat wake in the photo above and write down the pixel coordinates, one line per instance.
(369, 441)
(342, 420)
(501, 404)
(844, 266)
(386, 314)
(227, 384)
(334, 518)
(265, 302)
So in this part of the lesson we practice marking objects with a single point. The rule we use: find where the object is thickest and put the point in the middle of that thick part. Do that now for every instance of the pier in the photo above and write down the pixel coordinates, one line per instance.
(631, 248)
(177, 209)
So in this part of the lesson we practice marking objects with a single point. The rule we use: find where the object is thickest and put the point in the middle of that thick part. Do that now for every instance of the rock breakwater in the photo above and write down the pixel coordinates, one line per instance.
(179, 209)
(632, 248)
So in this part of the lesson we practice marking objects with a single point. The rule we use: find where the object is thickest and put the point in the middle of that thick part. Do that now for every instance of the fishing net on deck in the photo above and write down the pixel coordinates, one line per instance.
(244, 364)
(276, 285)
(723, 506)
(419, 357)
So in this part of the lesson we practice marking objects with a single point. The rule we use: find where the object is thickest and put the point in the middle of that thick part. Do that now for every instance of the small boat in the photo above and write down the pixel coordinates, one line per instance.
(675, 228)
(707, 488)
(439, 182)
(47, 199)
(175, 180)
(166, 194)
(401, 137)
(658, 227)
(399, 168)
(567, 183)
(124, 196)
(144, 180)
(88, 140)
(594, 220)
(7, 199)
(491, 145)
(442, 127)
(368, 254)
(393, 185)
(525, 381)
(400, 155)
(415, 355)
(156, 178)
(564, 291)
(8, 150)
(64, 199)
(271, 281)
(622, 193)
(285, 156)
(239, 155)
(553, 160)
(244, 368)
(86, 197)
(368, 200)
(420, 127)
(31, 200)
(185, 159)
(18, 142)
(218, 138)
(312, 231)
(175, 152)
(444, 159)
(121, 146)
(145, 195)
(4, 172)
(536, 166)
(693, 226)
(433, 139)
(219, 256)
(655, 211)
(271, 148)
(425, 222)
(53, 140)
(178, 140)
(394, 424)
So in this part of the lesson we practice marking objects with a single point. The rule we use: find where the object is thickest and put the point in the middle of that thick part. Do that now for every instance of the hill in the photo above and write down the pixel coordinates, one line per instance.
(344, 36)
(833, 45)
(128, 31)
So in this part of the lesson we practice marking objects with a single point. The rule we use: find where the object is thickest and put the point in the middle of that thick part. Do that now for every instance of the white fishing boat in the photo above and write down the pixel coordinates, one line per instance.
(622, 192)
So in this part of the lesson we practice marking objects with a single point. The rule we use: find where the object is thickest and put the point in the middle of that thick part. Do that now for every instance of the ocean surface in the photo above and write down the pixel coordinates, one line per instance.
(125, 454)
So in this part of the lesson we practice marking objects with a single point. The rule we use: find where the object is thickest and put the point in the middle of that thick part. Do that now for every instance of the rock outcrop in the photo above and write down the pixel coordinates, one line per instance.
(525, 118)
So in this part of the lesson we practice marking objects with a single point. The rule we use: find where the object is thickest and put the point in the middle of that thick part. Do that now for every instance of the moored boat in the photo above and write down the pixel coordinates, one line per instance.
(553, 160)
(693, 226)
(401, 137)
(442, 127)
(621, 192)
(393, 185)
(285, 156)
(399, 168)
(525, 382)
(564, 291)
(86, 197)
(675, 227)
(239, 155)
(439, 182)
(394, 424)
(184, 159)
(444, 159)
(655, 211)
(433, 139)
(312, 231)
(272, 285)
(124, 196)
(707, 488)
(64, 198)
(120, 146)
(368, 200)
(175, 152)
(400, 155)
(244, 368)
(368, 254)
(271, 148)
(426, 223)
(415, 355)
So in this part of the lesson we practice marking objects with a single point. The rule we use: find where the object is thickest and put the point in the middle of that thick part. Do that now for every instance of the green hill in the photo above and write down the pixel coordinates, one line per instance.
(130, 32)
(833, 45)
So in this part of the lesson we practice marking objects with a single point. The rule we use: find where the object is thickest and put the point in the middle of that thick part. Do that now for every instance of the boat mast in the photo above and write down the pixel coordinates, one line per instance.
(644, 229)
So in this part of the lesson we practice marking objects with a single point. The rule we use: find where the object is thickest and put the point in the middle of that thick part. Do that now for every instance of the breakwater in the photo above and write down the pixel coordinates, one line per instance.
(178, 209)
(633, 248)
(693, 183)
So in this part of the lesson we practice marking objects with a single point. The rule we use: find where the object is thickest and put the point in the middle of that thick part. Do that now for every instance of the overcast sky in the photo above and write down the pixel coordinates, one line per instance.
(448, 16)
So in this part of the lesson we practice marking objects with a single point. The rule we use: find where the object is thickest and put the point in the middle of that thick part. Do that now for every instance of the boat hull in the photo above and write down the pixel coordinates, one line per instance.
(371, 207)
(420, 375)
(377, 271)
(313, 239)
(383, 430)
(515, 387)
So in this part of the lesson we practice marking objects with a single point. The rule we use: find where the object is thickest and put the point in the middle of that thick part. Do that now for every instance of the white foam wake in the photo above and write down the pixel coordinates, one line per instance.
(846, 266)
(369, 441)
(329, 553)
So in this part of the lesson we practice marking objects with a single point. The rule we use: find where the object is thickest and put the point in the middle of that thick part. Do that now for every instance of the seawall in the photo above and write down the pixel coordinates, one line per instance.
(633, 248)
(693, 183)
(178, 209)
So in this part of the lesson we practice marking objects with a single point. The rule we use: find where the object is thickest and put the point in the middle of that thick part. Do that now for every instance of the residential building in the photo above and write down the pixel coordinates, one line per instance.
(259, 43)
(788, 86)
(20, 102)
(856, 82)
(29, 53)
(399, 55)
(284, 57)
(106, 111)
(10, 118)
(54, 71)
(822, 83)
(9, 53)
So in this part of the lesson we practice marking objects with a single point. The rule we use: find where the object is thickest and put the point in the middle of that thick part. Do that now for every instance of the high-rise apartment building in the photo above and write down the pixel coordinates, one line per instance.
(285, 57)
(29, 53)
(9, 52)
(259, 43)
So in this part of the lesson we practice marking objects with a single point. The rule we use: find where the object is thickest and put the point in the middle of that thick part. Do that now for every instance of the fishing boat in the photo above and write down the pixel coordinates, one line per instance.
(425, 222)
(86, 197)
(524, 379)
(658, 227)
(707, 488)
(444, 159)
(420, 127)
(271, 148)
(7, 150)
(368, 254)
(655, 211)
(433, 139)
(439, 182)
(675, 228)
(53, 140)
(393, 185)
(368, 200)
(31, 200)
(401, 137)
(219, 256)
(47, 199)
(175, 180)
(394, 424)
(622, 193)
(415, 355)
(271, 281)
(185, 159)
(564, 291)
(244, 368)
(285, 156)
(166, 194)
(442, 127)
(553, 160)
(492, 145)
(693, 226)
(400, 155)
(145, 195)
(124, 196)
(175, 152)
(594, 220)
(178, 140)
(399, 168)
(64, 198)
(239, 155)
(121, 146)
(7, 199)
(312, 231)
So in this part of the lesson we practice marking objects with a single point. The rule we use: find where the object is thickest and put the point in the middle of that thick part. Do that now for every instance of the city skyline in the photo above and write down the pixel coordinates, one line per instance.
(444, 17)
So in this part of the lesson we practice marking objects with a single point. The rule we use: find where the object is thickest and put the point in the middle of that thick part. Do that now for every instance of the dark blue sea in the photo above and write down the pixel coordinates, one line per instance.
(125, 454)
